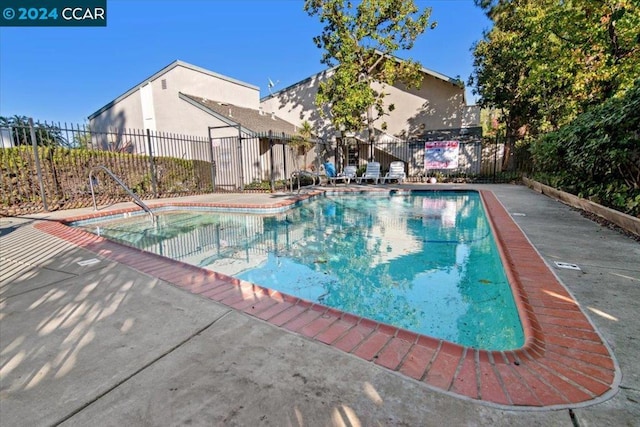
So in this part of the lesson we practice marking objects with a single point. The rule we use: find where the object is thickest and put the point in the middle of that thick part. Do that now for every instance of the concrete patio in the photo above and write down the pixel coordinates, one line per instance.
(103, 344)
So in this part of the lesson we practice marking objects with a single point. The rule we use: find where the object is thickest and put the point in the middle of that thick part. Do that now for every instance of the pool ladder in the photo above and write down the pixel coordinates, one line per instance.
(135, 198)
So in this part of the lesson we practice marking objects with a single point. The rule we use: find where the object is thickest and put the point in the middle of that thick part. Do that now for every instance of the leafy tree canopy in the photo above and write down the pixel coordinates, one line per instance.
(359, 41)
(546, 61)
(597, 155)
(302, 142)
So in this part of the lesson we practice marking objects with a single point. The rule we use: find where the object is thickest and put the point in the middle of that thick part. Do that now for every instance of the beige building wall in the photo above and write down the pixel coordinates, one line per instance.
(125, 114)
(296, 104)
(471, 116)
(169, 113)
(436, 105)
(176, 115)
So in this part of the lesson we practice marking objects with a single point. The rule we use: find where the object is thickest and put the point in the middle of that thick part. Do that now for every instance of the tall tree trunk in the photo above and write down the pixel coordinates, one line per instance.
(507, 159)
(509, 146)
(372, 132)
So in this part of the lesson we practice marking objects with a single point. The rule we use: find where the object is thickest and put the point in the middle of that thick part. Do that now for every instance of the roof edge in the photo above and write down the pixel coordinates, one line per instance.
(432, 73)
(303, 81)
(164, 70)
(188, 98)
(425, 70)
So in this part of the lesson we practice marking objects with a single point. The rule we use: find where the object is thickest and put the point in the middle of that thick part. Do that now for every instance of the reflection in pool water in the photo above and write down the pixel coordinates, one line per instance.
(424, 261)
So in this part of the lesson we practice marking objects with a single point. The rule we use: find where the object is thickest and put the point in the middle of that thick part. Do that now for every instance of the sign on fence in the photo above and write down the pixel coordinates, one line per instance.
(441, 154)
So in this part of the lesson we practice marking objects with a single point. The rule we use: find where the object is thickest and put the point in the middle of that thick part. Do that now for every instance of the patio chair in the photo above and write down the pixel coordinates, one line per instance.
(334, 177)
(371, 173)
(351, 171)
(396, 171)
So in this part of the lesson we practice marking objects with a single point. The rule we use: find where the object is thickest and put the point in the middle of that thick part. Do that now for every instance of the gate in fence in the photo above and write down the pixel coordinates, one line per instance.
(254, 161)
(46, 166)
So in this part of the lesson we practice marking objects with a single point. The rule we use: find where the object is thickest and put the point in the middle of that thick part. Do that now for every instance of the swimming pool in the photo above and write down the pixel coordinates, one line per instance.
(421, 261)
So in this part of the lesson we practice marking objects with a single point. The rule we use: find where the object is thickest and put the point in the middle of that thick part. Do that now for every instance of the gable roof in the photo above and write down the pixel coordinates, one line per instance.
(174, 64)
(427, 71)
(253, 122)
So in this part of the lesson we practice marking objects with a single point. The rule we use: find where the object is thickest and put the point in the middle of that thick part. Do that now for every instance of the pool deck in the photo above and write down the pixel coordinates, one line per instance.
(137, 339)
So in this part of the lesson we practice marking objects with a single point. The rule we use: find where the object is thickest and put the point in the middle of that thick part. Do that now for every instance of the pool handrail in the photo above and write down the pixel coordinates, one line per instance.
(135, 198)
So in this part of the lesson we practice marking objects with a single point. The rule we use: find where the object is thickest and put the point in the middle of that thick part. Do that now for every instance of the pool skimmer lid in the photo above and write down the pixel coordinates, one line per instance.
(86, 262)
(566, 265)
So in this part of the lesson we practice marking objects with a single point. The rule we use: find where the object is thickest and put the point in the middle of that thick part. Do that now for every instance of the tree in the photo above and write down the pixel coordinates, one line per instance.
(544, 61)
(82, 137)
(46, 134)
(500, 66)
(301, 143)
(597, 155)
(304, 143)
(360, 42)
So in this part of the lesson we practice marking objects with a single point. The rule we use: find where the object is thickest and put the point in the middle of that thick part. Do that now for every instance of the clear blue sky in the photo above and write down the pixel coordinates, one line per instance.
(64, 74)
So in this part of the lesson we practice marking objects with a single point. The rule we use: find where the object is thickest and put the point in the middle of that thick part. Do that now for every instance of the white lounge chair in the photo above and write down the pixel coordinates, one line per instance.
(351, 172)
(396, 171)
(371, 173)
(347, 175)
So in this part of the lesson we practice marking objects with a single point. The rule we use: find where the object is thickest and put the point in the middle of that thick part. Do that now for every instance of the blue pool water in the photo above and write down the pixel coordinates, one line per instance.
(422, 261)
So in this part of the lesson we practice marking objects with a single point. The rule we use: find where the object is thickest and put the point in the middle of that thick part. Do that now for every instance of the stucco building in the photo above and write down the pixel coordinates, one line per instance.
(159, 103)
(203, 108)
(182, 98)
(436, 110)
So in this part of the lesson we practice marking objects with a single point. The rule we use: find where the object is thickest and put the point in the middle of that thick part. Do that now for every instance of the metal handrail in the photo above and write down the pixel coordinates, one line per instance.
(135, 198)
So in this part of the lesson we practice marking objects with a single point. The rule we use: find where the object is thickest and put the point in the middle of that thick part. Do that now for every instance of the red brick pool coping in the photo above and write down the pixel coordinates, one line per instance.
(563, 363)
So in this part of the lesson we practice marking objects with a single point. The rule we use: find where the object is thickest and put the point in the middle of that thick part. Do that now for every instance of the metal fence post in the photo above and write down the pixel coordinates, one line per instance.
(495, 156)
(240, 163)
(36, 155)
(213, 162)
(152, 166)
(272, 183)
(284, 157)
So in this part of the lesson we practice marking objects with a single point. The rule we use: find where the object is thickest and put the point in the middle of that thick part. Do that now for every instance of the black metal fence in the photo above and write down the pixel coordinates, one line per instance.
(259, 162)
(477, 159)
(46, 166)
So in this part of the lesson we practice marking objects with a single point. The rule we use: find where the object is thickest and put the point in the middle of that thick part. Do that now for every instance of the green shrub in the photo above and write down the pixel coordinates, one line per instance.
(597, 156)
(66, 176)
